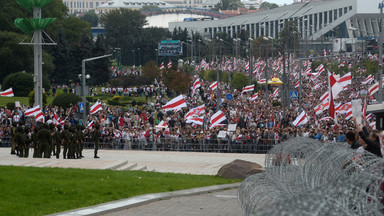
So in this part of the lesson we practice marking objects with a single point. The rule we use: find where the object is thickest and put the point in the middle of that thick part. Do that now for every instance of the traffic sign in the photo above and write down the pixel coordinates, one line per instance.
(229, 97)
(81, 107)
(294, 95)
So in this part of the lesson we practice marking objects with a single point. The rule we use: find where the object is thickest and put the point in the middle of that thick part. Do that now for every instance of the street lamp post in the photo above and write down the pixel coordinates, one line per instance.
(134, 57)
(139, 56)
(250, 60)
(157, 57)
(266, 70)
(380, 40)
(83, 81)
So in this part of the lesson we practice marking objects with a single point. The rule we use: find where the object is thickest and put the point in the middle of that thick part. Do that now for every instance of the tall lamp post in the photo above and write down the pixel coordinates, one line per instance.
(380, 40)
(266, 71)
(250, 60)
(83, 76)
(157, 57)
(139, 56)
(134, 57)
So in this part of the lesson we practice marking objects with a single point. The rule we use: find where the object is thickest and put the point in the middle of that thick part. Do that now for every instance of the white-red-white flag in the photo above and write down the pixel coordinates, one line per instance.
(7, 93)
(325, 96)
(276, 92)
(162, 66)
(262, 81)
(321, 107)
(373, 89)
(254, 97)
(169, 64)
(348, 114)
(196, 85)
(90, 124)
(248, 88)
(301, 119)
(195, 111)
(175, 104)
(195, 120)
(32, 111)
(96, 107)
(217, 118)
(369, 79)
(213, 86)
(345, 80)
(334, 89)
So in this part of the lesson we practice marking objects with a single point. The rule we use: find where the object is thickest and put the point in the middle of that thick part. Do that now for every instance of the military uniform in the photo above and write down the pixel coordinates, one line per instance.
(28, 141)
(96, 138)
(13, 133)
(19, 141)
(53, 143)
(66, 140)
(58, 140)
(44, 141)
(36, 153)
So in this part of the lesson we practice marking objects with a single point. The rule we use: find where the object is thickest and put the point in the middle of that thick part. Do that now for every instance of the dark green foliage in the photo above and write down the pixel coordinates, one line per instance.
(31, 98)
(61, 56)
(113, 103)
(289, 36)
(98, 69)
(89, 99)
(65, 100)
(11, 105)
(229, 5)
(239, 80)
(276, 103)
(91, 17)
(22, 83)
(268, 6)
(151, 71)
(131, 80)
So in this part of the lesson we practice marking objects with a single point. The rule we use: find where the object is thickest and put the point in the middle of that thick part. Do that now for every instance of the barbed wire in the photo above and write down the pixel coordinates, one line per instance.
(306, 177)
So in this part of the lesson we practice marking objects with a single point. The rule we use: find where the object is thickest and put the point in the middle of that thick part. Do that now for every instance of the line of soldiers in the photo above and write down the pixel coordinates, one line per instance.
(47, 140)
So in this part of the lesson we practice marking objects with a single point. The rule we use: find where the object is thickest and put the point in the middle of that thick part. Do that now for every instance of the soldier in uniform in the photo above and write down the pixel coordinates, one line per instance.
(80, 141)
(58, 141)
(36, 153)
(96, 138)
(72, 142)
(13, 134)
(53, 143)
(19, 141)
(44, 140)
(66, 140)
(28, 141)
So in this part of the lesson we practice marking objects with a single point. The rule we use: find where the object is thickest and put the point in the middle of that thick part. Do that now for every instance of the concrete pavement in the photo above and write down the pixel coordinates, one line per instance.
(157, 161)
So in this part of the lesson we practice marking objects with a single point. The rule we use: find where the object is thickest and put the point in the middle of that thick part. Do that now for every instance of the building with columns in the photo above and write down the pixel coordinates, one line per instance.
(340, 22)
(80, 6)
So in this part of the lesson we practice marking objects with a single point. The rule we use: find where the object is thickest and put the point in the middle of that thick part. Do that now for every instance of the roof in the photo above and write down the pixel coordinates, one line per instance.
(135, 4)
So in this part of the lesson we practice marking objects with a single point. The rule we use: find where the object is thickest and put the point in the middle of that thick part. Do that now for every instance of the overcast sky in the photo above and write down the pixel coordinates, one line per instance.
(280, 2)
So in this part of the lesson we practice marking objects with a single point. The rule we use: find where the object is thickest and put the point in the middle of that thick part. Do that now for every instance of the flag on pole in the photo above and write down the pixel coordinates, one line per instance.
(175, 104)
(196, 85)
(301, 119)
(334, 89)
(248, 88)
(195, 120)
(373, 89)
(7, 93)
(96, 107)
(254, 97)
(169, 64)
(162, 66)
(213, 86)
(217, 118)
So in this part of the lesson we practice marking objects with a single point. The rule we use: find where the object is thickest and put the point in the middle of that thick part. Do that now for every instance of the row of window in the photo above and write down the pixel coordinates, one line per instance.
(83, 4)
(306, 24)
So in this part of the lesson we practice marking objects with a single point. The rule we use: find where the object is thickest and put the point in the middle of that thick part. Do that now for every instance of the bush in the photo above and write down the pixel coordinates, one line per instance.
(116, 98)
(89, 99)
(31, 98)
(22, 83)
(239, 80)
(11, 105)
(113, 103)
(65, 100)
(276, 103)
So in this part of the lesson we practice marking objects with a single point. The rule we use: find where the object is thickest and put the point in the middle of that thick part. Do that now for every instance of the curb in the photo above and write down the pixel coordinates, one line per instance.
(143, 199)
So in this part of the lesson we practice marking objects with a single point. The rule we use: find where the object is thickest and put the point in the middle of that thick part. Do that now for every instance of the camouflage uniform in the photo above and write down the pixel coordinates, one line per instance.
(96, 138)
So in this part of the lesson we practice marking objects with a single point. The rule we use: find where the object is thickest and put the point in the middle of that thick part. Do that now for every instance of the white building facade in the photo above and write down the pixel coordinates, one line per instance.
(80, 6)
(344, 19)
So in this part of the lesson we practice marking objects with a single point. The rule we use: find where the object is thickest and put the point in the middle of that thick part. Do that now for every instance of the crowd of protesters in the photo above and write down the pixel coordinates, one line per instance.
(260, 123)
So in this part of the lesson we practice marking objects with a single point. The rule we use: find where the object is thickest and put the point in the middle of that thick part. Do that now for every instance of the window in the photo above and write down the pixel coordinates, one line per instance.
(91, 4)
(330, 16)
(340, 12)
(97, 4)
(335, 14)
(350, 8)
(325, 18)
(87, 4)
(345, 10)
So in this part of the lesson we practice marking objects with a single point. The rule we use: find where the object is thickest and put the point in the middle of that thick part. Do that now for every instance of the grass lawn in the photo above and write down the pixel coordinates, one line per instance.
(41, 191)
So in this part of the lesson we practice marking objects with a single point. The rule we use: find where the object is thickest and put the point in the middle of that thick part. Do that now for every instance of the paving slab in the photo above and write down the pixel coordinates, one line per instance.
(158, 161)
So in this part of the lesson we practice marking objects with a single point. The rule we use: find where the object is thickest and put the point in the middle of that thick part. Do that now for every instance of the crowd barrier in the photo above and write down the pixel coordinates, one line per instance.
(194, 145)
(190, 145)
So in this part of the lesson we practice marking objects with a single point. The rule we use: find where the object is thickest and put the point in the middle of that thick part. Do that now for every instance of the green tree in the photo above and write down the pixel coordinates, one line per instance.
(78, 52)
(268, 6)
(151, 70)
(229, 5)
(65, 100)
(239, 80)
(289, 36)
(91, 17)
(124, 29)
(100, 68)
(22, 83)
(61, 57)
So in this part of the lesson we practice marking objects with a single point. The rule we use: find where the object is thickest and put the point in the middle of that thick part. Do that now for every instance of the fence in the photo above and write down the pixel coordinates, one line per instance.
(164, 144)
(191, 145)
